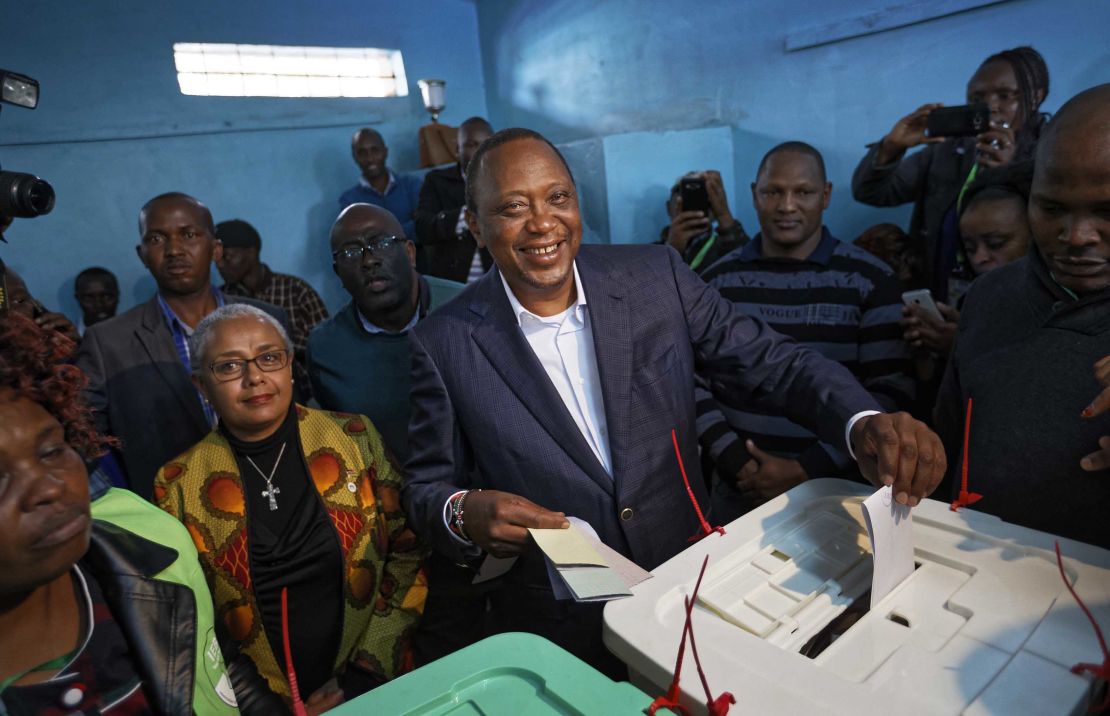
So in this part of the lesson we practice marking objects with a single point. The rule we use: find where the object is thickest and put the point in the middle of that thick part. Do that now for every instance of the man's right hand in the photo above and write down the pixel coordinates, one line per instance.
(924, 333)
(684, 226)
(908, 132)
(498, 521)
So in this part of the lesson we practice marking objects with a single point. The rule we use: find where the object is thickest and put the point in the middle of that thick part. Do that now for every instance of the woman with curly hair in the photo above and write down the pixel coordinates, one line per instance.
(297, 517)
(103, 607)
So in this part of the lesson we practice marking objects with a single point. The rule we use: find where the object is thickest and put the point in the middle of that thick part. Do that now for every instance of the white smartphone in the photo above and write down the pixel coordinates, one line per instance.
(922, 298)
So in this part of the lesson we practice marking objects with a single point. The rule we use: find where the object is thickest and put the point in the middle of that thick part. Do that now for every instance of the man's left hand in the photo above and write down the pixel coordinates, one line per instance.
(898, 450)
(1099, 459)
(767, 476)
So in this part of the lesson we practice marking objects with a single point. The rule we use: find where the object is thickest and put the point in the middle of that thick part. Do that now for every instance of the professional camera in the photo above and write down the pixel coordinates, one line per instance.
(22, 195)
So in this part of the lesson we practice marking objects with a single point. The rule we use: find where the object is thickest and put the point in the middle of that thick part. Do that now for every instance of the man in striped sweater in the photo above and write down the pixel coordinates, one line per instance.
(828, 295)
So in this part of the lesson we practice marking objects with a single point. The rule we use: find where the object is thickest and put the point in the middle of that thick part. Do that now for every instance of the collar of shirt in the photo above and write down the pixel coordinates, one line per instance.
(388, 187)
(174, 323)
(424, 300)
(524, 316)
(822, 254)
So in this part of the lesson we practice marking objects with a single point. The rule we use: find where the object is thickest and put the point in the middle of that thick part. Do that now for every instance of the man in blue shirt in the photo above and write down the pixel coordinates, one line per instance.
(396, 193)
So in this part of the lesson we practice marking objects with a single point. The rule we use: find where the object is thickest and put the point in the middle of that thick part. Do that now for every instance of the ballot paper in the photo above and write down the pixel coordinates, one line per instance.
(581, 567)
(890, 527)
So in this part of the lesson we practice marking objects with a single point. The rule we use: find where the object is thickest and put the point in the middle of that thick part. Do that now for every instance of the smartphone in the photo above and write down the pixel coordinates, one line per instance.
(694, 196)
(966, 120)
(921, 297)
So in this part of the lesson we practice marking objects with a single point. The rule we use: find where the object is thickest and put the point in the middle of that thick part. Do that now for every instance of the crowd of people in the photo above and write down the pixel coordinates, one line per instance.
(225, 499)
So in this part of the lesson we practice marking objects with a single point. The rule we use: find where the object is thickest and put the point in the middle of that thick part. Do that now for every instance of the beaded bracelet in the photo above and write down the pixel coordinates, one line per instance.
(457, 514)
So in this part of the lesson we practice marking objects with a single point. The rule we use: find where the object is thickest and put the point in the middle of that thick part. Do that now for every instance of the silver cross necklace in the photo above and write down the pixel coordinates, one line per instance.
(270, 492)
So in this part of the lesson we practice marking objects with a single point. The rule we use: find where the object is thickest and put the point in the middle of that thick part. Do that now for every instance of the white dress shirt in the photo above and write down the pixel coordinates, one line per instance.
(564, 345)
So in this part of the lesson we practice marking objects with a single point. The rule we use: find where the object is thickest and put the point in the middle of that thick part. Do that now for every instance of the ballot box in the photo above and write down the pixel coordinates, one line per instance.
(509, 674)
(984, 624)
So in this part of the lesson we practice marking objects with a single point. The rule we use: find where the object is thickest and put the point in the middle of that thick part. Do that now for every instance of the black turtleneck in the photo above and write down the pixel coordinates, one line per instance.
(294, 546)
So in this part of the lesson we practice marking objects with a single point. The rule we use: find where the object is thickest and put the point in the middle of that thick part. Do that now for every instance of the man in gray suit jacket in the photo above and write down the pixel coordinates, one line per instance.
(139, 385)
(551, 386)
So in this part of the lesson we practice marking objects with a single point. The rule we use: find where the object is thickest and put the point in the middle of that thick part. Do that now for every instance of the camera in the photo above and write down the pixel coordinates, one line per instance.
(22, 195)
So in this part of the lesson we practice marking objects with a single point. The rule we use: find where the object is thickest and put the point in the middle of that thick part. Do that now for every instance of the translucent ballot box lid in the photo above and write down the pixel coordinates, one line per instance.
(511, 674)
(783, 621)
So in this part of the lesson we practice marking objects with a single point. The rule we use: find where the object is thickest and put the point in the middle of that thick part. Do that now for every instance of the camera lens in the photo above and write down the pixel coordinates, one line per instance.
(24, 195)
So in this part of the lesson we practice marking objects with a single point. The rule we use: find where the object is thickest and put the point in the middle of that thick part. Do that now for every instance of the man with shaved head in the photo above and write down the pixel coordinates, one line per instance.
(358, 360)
(138, 362)
(1032, 345)
(378, 185)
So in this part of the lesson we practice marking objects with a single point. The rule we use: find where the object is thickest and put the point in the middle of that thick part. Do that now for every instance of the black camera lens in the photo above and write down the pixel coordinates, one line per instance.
(24, 195)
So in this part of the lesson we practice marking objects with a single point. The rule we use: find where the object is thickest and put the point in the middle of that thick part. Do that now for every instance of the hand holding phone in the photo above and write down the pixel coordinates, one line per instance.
(966, 120)
(694, 195)
(923, 300)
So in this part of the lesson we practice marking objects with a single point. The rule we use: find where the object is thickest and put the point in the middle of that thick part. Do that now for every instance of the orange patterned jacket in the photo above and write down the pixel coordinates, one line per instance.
(385, 586)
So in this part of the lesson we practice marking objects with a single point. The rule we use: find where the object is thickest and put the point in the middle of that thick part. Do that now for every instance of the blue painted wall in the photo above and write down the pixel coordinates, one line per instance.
(584, 71)
(112, 129)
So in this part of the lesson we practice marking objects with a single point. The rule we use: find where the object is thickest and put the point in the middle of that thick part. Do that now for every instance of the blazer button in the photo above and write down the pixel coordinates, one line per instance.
(626, 514)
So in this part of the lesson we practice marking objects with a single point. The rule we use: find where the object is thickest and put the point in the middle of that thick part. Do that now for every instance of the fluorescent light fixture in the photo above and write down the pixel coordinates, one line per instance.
(229, 70)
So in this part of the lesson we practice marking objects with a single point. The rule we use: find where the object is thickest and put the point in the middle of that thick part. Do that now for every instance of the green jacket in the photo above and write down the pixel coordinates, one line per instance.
(147, 566)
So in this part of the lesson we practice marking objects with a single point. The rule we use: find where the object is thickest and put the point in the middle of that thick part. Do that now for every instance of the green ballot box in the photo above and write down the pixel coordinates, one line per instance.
(509, 674)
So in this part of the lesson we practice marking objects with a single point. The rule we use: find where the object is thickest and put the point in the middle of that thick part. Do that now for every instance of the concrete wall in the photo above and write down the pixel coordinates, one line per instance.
(649, 71)
(112, 129)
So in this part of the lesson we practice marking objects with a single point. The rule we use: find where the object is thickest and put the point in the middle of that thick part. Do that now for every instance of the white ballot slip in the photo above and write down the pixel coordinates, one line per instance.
(890, 527)
(583, 568)
(567, 548)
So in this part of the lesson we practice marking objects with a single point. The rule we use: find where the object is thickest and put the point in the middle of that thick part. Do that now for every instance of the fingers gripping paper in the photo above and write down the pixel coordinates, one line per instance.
(890, 527)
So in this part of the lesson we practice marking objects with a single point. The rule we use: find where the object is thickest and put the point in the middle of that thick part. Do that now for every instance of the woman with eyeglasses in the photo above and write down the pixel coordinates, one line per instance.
(297, 517)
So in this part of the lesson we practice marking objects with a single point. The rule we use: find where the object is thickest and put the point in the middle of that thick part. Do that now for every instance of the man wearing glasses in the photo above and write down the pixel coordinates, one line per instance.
(358, 360)
(138, 363)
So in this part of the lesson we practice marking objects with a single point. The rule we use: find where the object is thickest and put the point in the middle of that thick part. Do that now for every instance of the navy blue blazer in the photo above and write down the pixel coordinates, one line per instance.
(485, 414)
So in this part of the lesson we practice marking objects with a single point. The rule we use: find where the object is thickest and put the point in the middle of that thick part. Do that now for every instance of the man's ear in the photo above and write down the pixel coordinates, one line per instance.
(472, 225)
(410, 251)
(755, 196)
(826, 195)
(141, 254)
(217, 250)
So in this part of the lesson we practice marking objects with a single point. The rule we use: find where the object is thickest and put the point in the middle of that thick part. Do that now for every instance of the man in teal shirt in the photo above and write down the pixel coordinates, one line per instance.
(358, 360)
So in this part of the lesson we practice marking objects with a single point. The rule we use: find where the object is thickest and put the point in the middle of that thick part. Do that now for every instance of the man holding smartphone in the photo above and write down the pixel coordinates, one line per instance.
(1012, 84)
(702, 227)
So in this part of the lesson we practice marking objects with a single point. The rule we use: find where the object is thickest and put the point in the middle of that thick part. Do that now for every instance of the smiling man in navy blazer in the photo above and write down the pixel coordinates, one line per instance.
(550, 387)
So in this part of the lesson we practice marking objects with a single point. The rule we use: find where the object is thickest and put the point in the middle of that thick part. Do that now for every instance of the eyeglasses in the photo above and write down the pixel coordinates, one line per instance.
(234, 368)
(354, 254)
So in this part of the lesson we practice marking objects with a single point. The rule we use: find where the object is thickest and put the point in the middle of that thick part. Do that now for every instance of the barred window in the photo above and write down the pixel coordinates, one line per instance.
(227, 70)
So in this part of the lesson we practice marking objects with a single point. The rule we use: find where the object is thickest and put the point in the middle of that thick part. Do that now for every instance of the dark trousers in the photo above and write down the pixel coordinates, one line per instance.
(458, 613)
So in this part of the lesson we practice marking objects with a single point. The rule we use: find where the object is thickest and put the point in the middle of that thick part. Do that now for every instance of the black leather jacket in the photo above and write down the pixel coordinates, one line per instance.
(159, 620)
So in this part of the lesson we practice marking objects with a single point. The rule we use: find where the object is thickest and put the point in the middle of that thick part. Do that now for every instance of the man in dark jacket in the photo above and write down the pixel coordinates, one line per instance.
(138, 362)
(449, 249)
(1030, 336)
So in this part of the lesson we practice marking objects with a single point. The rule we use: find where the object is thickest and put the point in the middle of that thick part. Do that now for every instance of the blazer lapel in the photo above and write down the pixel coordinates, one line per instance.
(156, 339)
(611, 325)
(499, 337)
